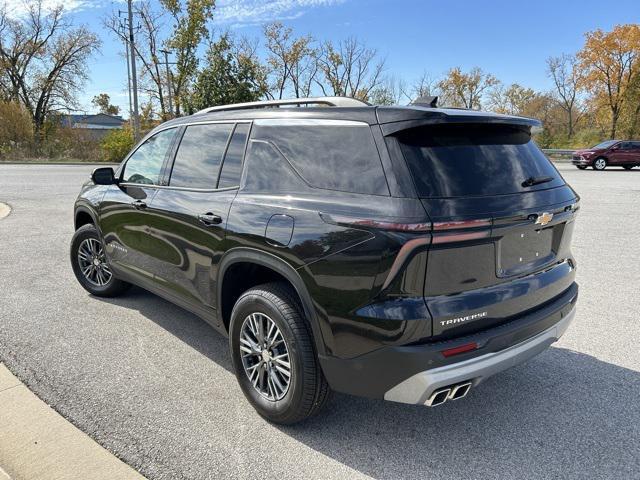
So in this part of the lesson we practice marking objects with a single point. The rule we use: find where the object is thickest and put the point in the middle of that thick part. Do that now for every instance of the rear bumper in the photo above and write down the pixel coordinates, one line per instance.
(418, 388)
(411, 373)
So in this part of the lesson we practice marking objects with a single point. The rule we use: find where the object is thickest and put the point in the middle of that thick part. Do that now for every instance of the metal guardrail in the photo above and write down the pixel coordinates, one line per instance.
(557, 151)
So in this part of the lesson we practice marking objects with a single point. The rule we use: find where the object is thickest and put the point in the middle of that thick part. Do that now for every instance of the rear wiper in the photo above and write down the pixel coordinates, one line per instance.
(531, 181)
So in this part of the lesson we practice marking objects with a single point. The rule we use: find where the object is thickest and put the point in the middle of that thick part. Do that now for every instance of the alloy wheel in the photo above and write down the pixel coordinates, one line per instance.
(600, 163)
(92, 262)
(265, 356)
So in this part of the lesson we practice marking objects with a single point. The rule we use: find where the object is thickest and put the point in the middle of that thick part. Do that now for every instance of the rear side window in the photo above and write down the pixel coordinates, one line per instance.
(330, 155)
(232, 166)
(199, 155)
(475, 160)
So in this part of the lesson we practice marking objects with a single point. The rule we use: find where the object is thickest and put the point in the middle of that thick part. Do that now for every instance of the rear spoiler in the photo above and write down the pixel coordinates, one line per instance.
(394, 119)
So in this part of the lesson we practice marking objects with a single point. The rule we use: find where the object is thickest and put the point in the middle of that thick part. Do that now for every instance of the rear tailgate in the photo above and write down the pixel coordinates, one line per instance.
(502, 224)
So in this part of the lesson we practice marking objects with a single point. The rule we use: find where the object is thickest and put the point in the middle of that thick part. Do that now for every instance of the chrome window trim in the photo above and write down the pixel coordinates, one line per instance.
(302, 122)
(186, 189)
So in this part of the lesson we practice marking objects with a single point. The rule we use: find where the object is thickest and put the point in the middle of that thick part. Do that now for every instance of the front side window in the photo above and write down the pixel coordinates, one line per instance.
(145, 164)
(199, 155)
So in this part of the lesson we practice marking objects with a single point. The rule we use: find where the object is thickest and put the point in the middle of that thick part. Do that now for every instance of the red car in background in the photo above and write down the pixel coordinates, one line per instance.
(612, 153)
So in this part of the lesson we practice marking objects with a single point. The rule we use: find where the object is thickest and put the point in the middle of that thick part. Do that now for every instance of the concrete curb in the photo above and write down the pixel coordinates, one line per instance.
(37, 443)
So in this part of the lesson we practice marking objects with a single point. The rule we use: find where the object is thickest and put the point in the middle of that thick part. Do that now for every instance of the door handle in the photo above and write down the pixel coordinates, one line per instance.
(139, 205)
(210, 219)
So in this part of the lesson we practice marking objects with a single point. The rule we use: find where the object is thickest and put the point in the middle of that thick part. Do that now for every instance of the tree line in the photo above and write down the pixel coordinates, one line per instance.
(594, 94)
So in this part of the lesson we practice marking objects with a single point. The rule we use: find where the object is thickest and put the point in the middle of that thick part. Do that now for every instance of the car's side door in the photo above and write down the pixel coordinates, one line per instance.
(125, 211)
(634, 154)
(619, 153)
(193, 208)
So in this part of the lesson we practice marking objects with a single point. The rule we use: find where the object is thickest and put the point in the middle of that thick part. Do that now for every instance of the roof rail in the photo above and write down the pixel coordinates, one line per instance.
(328, 101)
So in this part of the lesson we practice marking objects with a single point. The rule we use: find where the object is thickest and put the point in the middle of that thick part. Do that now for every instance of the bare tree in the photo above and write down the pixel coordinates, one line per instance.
(513, 100)
(291, 61)
(423, 86)
(349, 68)
(564, 72)
(389, 92)
(460, 89)
(44, 60)
(153, 79)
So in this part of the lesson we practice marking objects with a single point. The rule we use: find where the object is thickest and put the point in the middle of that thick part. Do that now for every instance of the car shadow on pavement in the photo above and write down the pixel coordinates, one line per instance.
(563, 414)
(179, 322)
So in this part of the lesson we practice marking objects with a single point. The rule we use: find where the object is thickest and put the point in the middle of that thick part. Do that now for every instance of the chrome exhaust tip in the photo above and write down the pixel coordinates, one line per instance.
(459, 391)
(438, 397)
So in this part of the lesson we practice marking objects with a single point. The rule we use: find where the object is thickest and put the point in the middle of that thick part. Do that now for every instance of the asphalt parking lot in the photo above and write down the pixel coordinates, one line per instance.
(154, 385)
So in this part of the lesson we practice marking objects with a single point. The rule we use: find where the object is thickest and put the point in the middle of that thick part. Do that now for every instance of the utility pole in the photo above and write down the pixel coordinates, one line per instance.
(166, 63)
(126, 51)
(134, 80)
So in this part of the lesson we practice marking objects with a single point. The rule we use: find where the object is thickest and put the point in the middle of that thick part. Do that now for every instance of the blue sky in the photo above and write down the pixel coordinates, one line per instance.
(509, 39)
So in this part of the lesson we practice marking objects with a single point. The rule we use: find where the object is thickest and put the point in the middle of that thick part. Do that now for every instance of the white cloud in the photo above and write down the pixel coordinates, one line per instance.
(229, 12)
(19, 8)
(249, 12)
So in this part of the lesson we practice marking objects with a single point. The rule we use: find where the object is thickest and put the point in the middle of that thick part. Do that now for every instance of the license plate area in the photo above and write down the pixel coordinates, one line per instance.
(525, 250)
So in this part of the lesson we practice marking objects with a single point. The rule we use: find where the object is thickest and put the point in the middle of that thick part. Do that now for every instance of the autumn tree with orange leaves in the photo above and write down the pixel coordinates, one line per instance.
(610, 66)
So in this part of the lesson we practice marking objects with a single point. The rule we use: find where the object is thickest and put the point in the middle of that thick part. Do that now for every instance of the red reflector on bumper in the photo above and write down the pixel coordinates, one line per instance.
(467, 347)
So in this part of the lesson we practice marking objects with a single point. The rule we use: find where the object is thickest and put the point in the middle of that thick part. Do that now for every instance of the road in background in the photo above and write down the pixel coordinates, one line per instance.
(153, 383)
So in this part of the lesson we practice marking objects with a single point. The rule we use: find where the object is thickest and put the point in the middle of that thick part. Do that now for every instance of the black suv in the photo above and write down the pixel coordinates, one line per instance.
(404, 253)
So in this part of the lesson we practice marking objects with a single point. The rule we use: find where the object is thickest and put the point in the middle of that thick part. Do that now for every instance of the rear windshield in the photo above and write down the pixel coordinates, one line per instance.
(475, 160)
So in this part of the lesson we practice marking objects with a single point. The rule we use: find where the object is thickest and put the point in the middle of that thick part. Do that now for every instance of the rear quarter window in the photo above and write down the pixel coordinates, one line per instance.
(474, 160)
(331, 155)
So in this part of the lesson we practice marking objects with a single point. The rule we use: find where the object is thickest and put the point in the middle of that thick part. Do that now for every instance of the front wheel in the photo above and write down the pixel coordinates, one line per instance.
(90, 266)
(274, 357)
(600, 164)
(628, 167)
(581, 167)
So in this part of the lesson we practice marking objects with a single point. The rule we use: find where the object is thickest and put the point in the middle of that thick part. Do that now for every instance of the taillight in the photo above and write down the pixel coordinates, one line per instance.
(460, 231)
(380, 224)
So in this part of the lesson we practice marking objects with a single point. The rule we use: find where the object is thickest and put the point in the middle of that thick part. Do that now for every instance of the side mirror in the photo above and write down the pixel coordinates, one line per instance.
(103, 176)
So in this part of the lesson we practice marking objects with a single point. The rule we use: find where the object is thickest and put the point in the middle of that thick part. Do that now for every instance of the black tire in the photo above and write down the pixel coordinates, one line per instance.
(581, 167)
(308, 390)
(112, 287)
(628, 167)
(600, 163)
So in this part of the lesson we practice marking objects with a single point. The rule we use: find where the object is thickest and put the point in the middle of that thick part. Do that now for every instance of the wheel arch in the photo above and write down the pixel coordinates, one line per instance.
(82, 216)
(245, 255)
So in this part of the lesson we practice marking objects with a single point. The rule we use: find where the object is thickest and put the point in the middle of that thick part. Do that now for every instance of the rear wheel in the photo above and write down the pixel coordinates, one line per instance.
(274, 357)
(600, 164)
(89, 264)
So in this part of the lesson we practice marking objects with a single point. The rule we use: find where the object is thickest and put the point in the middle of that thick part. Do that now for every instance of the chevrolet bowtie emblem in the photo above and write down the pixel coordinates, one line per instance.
(544, 218)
